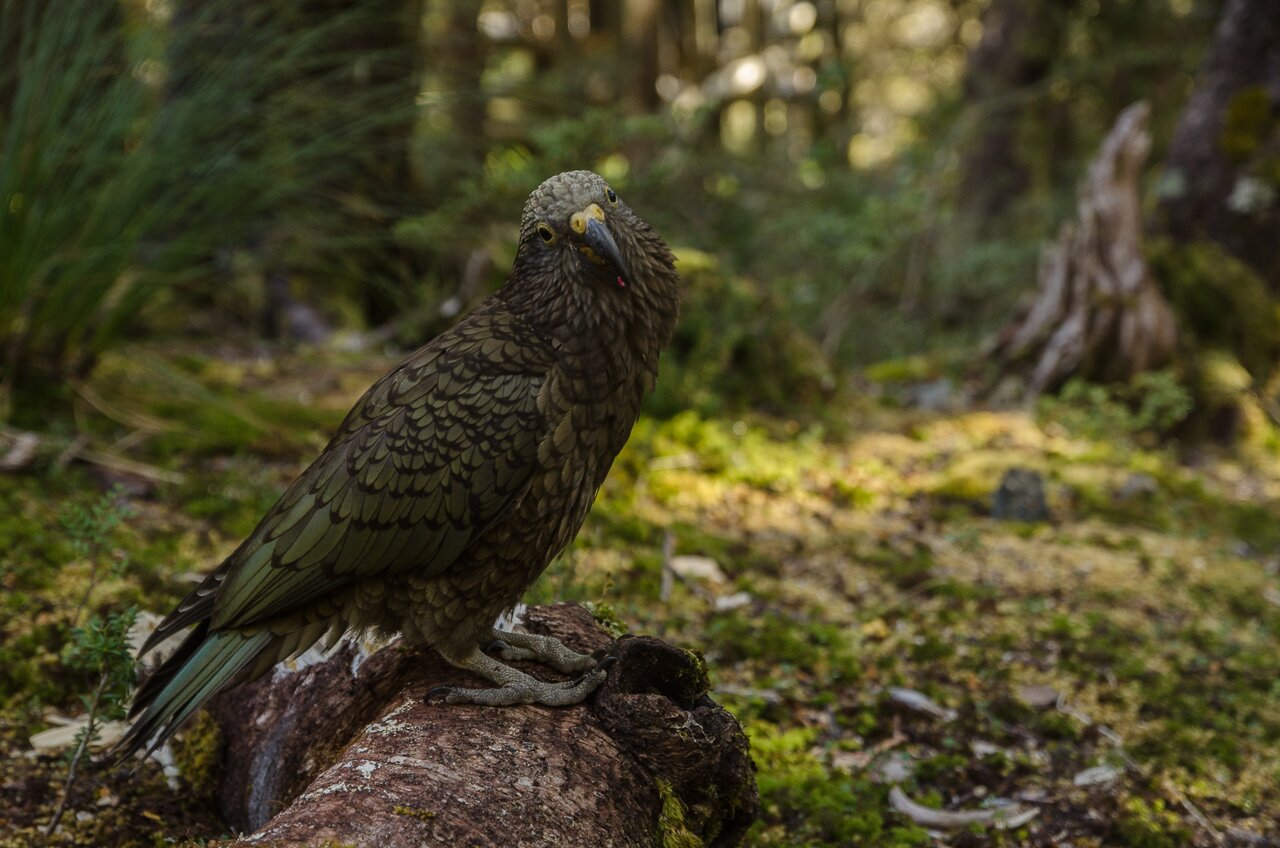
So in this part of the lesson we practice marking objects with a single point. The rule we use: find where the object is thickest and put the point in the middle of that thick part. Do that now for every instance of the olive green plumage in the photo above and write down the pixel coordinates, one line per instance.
(456, 478)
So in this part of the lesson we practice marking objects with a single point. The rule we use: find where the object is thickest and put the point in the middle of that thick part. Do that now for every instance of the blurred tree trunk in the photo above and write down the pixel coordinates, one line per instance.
(1020, 40)
(609, 36)
(832, 128)
(454, 140)
(753, 22)
(1099, 315)
(1223, 168)
(458, 58)
(641, 30)
(701, 37)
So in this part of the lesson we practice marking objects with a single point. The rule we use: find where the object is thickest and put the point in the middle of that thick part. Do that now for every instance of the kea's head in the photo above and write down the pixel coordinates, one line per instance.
(584, 255)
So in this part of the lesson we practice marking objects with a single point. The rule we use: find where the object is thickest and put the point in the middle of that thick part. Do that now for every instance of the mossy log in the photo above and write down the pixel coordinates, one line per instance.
(1099, 314)
(351, 752)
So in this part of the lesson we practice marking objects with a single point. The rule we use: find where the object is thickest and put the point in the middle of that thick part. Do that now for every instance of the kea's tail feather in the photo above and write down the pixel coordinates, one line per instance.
(205, 664)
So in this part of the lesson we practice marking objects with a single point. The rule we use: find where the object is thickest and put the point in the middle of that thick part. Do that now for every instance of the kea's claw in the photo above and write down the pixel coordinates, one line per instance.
(516, 647)
(601, 669)
(525, 690)
(516, 687)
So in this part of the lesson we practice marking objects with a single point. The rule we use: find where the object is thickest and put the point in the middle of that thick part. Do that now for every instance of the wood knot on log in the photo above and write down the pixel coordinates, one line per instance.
(656, 705)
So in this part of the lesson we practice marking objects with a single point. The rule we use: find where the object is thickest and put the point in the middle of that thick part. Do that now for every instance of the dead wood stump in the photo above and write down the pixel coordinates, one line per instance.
(350, 752)
(1098, 315)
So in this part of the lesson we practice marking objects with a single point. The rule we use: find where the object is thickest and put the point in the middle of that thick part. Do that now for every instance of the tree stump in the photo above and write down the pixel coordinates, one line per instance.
(1099, 314)
(349, 751)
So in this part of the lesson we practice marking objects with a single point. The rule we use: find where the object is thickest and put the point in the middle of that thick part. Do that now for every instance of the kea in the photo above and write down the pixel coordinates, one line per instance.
(454, 480)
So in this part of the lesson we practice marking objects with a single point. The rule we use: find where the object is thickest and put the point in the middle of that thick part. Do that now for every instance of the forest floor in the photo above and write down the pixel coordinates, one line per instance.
(1116, 667)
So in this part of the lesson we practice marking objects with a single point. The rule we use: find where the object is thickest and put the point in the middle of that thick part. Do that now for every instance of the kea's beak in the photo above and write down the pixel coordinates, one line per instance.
(597, 237)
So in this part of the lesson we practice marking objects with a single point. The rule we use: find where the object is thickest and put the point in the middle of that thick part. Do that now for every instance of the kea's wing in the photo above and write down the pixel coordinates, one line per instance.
(431, 456)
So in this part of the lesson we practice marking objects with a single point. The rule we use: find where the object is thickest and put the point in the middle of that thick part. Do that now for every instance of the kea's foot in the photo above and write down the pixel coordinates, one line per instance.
(544, 649)
(516, 687)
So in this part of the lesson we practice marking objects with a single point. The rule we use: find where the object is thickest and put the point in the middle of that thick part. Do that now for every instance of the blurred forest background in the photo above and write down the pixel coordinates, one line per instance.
(220, 219)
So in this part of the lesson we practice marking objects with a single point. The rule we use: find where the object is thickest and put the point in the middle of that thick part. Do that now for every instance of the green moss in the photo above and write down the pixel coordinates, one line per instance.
(196, 753)
(821, 806)
(671, 821)
(1220, 300)
(1056, 725)
(932, 648)
(413, 812)
(614, 520)
(1254, 524)
(700, 667)
(607, 617)
(971, 479)
(941, 767)
(905, 370)
(818, 647)
(907, 569)
(734, 451)
(1149, 825)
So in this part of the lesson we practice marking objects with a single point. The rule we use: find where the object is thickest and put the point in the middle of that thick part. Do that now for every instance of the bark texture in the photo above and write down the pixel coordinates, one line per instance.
(353, 752)
(1099, 314)
(1221, 181)
(1020, 41)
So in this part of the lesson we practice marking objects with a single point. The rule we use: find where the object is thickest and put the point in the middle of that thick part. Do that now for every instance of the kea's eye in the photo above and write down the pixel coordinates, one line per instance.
(546, 233)
(612, 195)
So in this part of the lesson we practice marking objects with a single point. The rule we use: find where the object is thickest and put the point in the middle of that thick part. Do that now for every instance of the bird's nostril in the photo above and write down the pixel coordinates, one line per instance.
(580, 220)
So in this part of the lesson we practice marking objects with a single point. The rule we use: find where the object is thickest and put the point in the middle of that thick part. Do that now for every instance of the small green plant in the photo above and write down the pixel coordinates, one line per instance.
(1162, 401)
(88, 528)
(101, 647)
(1151, 405)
